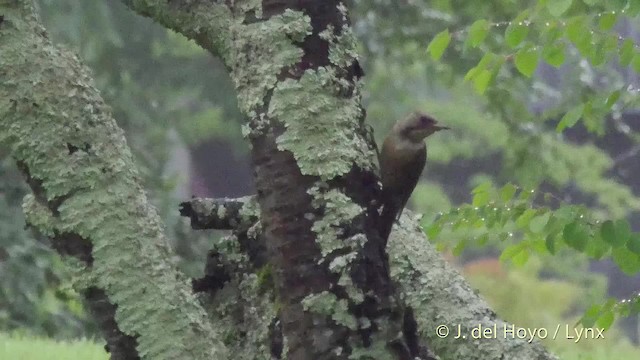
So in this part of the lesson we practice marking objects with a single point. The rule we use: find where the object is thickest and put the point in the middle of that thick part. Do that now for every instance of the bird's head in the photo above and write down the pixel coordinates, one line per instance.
(417, 126)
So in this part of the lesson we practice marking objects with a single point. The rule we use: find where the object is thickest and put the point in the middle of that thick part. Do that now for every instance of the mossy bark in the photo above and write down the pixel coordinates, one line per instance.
(86, 196)
(311, 279)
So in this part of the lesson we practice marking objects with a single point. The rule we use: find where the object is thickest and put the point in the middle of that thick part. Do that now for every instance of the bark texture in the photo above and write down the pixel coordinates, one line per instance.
(439, 295)
(86, 196)
(295, 69)
(311, 279)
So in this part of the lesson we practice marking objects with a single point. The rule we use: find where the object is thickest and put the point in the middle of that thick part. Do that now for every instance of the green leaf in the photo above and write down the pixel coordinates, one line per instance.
(481, 81)
(519, 259)
(580, 35)
(598, 248)
(593, 116)
(554, 54)
(550, 243)
(524, 220)
(607, 21)
(627, 261)
(633, 8)
(570, 118)
(483, 64)
(483, 187)
(554, 224)
(634, 243)
(558, 7)
(538, 246)
(613, 98)
(481, 194)
(635, 63)
(591, 2)
(478, 32)
(472, 73)
(606, 47)
(483, 239)
(434, 230)
(497, 218)
(487, 60)
(575, 235)
(605, 320)
(515, 33)
(610, 44)
(439, 44)
(525, 195)
(510, 251)
(608, 233)
(526, 61)
(552, 33)
(575, 28)
(507, 192)
(566, 213)
(481, 199)
(623, 309)
(457, 251)
(634, 307)
(623, 230)
(591, 315)
(537, 224)
(626, 52)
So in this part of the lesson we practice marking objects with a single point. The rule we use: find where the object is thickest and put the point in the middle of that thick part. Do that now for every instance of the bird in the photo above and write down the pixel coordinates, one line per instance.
(402, 159)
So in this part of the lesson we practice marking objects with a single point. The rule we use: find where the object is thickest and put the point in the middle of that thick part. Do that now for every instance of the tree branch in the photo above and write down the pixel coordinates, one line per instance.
(209, 23)
(439, 295)
(296, 73)
(88, 198)
(221, 214)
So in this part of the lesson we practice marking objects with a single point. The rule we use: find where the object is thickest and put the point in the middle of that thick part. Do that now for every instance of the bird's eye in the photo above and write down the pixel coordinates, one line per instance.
(425, 120)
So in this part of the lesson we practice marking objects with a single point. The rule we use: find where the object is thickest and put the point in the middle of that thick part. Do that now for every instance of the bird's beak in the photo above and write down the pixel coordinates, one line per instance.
(438, 127)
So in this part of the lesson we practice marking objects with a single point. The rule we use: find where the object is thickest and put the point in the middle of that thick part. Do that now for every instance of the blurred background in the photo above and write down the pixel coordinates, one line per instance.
(178, 108)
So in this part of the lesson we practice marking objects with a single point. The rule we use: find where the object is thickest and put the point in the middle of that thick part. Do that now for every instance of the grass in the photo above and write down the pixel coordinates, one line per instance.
(19, 347)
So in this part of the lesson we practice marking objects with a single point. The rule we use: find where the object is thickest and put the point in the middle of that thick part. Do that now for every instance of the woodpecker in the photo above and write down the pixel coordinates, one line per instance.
(402, 160)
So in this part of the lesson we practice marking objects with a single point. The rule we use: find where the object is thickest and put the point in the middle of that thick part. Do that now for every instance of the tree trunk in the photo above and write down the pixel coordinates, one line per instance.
(310, 279)
(88, 199)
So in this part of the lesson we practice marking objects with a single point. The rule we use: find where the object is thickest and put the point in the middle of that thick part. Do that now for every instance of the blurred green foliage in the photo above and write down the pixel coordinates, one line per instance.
(539, 94)
(33, 291)
(523, 299)
(15, 346)
(152, 79)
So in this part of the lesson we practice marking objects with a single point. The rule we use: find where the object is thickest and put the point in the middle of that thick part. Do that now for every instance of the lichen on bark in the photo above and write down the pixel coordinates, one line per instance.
(321, 127)
(88, 191)
(261, 50)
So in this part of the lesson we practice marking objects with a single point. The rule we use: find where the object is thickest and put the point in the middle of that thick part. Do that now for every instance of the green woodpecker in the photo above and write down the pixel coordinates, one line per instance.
(402, 160)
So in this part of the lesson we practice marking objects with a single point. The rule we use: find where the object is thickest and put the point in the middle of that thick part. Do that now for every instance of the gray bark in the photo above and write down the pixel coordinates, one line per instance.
(87, 197)
(311, 279)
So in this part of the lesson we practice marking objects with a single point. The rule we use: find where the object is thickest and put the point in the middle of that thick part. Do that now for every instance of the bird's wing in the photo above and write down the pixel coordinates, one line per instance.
(414, 170)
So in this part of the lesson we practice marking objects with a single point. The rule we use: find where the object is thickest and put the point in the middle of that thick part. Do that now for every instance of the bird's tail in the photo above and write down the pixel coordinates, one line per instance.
(387, 219)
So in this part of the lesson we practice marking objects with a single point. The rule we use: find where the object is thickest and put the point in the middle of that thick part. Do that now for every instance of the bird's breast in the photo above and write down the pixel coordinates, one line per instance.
(400, 158)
